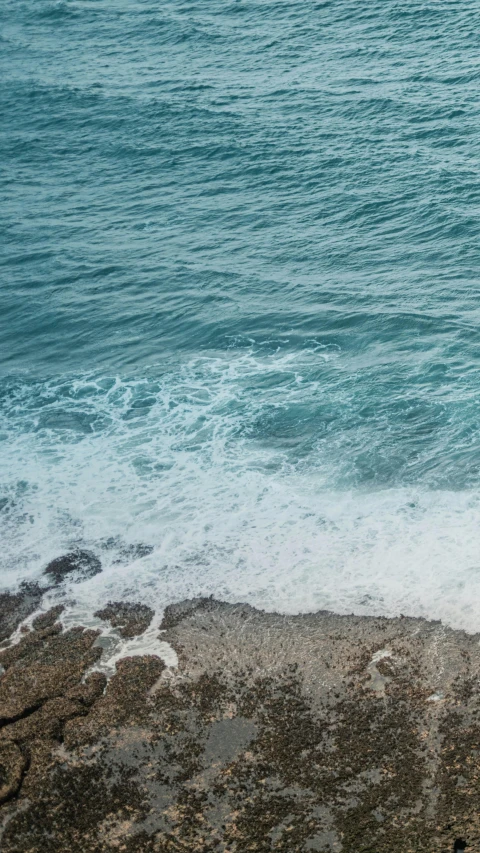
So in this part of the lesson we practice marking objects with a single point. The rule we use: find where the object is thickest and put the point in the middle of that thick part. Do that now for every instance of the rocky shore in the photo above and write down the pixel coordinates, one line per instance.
(289, 734)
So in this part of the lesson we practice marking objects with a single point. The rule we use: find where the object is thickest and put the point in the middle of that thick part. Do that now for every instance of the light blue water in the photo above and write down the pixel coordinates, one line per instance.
(240, 300)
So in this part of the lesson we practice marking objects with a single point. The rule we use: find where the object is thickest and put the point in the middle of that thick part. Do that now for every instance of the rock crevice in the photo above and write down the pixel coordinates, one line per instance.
(275, 733)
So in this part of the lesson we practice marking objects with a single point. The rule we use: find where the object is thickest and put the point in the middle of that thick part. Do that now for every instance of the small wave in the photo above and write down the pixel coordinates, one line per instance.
(59, 10)
(229, 502)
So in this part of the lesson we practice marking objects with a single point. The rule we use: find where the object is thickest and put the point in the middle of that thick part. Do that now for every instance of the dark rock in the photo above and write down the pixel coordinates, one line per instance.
(130, 619)
(44, 665)
(123, 704)
(41, 689)
(175, 613)
(126, 553)
(84, 564)
(46, 620)
(12, 766)
(88, 691)
(15, 607)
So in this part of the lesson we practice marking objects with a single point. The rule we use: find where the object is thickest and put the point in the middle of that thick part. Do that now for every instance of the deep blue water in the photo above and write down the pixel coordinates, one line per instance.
(240, 299)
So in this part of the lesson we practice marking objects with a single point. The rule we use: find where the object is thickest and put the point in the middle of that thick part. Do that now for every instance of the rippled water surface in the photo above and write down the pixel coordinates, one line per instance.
(240, 300)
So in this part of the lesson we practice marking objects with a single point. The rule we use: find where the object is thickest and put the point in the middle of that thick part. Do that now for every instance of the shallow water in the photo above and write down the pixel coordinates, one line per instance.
(240, 301)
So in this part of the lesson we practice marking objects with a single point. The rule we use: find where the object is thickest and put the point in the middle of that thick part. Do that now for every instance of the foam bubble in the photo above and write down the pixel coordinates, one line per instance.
(182, 464)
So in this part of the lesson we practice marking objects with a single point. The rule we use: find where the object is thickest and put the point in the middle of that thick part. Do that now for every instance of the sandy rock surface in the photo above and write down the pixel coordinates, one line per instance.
(308, 733)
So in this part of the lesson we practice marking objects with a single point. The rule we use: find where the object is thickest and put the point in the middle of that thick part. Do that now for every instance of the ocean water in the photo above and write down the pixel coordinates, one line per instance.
(240, 301)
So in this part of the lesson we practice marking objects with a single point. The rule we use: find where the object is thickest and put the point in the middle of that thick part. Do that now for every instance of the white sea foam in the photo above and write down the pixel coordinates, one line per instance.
(178, 465)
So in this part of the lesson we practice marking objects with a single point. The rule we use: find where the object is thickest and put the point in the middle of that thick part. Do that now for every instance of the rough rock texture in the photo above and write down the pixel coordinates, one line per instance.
(129, 619)
(15, 607)
(308, 733)
(79, 564)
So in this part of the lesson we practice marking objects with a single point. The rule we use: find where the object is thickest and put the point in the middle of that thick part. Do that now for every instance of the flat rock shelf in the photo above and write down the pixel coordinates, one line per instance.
(275, 733)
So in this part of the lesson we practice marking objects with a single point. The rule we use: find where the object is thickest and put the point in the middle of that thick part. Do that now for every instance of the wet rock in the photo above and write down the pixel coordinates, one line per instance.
(12, 766)
(89, 690)
(137, 551)
(175, 613)
(45, 721)
(124, 701)
(43, 687)
(130, 619)
(126, 552)
(81, 564)
(276, 733)
(15, 607)
(46, 620)
(43, 666)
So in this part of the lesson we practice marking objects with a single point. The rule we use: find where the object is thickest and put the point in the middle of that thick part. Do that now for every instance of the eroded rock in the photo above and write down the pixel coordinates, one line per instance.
(78, 564)
(275, 734)
(44, 665)
(16, 606)
(12, 765)
(130, 619)
(46, 620)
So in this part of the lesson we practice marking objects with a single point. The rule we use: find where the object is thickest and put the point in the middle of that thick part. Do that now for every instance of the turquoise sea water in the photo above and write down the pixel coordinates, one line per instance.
(240, 300)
